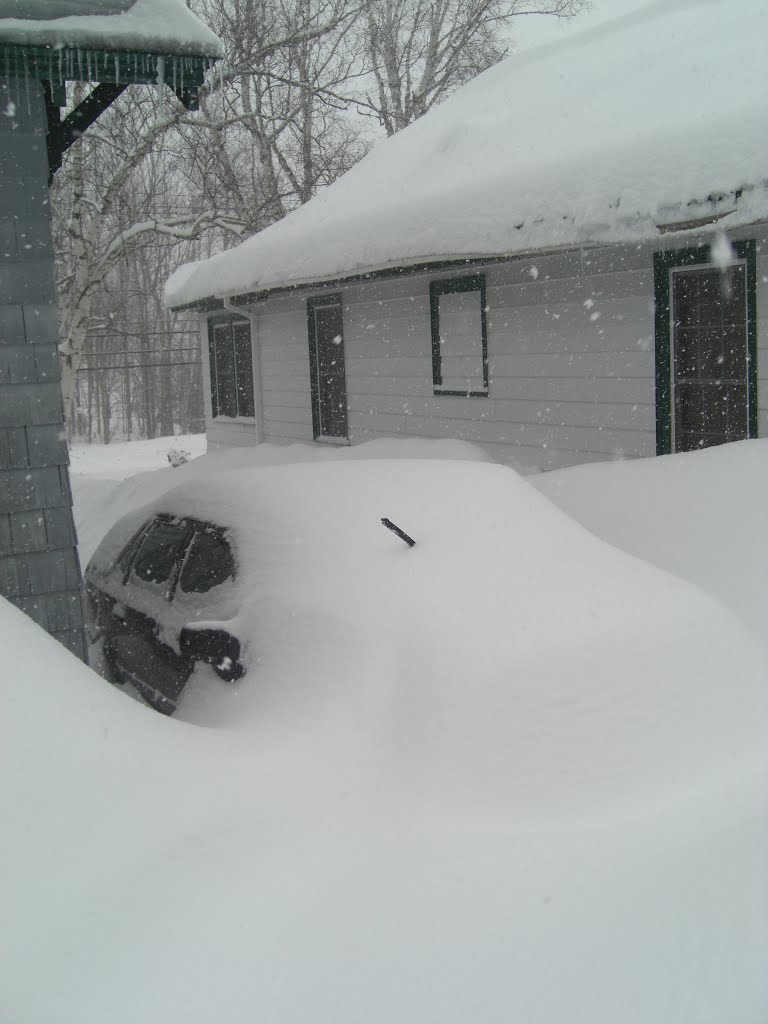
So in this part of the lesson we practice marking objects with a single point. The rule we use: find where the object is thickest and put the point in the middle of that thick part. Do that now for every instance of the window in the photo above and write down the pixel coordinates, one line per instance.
(706, 374)
(231, 363)
(326, 367)
(208, 564)
(160, 550)
(459, 337)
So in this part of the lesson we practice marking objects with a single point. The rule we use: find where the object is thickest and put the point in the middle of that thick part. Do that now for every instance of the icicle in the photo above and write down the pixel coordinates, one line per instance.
(175, 65)
(26, 83)
(80, 63)
(117, 67)
(160, 78)
(61, 67)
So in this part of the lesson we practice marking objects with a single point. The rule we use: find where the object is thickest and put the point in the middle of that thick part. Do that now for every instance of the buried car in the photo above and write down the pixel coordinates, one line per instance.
(283, 581)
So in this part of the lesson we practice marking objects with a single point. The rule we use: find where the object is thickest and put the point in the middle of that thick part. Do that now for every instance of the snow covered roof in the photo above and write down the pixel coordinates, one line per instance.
(658, 117)
(138, 26)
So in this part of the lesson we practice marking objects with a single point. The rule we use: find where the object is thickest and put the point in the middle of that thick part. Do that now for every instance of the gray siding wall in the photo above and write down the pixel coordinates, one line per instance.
(39, 569)
(571, 360)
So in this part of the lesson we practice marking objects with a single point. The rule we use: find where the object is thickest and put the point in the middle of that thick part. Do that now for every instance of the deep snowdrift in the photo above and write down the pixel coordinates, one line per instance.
(701, 516)
(655, 118)
(398, 829)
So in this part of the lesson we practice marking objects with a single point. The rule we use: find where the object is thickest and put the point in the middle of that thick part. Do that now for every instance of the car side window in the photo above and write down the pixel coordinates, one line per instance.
(160, 550)
(209, 563)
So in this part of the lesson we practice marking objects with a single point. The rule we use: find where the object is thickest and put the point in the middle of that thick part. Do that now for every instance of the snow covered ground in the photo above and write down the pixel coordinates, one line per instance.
(314, 864)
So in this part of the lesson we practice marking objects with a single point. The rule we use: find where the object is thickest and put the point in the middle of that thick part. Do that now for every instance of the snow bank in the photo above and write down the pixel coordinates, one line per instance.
(503, 603)
(652, 119)
(511, 767)
(701, 516)
(141, 26)
(121, 459)
(110, 480)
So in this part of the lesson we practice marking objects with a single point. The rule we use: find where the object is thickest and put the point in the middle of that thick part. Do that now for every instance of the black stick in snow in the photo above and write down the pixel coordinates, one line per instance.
(398, 532)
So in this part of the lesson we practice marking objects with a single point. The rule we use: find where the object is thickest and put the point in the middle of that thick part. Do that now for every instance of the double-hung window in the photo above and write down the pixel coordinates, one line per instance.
(231, 363)
(459, 336)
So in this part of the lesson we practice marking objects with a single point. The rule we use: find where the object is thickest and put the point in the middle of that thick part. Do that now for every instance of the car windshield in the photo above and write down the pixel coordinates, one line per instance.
(208, 564)
(159, 551)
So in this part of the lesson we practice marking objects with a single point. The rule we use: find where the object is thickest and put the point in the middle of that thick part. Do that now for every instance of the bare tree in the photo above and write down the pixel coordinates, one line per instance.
(421, 50)
(276, 127)
(93, 224)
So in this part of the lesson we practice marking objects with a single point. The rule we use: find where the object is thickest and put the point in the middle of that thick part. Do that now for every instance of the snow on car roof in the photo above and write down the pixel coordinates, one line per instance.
(140, 26)
(655, 118)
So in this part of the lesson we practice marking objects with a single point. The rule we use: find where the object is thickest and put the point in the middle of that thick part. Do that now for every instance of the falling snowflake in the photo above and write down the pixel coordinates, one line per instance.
(721, 252)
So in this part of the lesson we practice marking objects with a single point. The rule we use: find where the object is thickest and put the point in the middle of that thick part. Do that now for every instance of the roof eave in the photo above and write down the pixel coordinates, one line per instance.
(118, 65)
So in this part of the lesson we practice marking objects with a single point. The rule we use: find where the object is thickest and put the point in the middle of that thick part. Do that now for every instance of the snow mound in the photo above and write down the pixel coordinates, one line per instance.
(507, 629)
(510, 767)
(110, 480)
(700, 515)
(655, 118)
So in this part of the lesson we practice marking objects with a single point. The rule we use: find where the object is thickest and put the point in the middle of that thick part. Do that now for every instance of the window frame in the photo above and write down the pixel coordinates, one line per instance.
(664, 265)
(231, 321)
(449, 286)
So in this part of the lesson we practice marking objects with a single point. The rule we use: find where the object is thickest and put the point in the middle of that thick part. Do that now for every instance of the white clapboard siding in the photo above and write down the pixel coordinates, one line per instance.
(285, 432)
(570, 346)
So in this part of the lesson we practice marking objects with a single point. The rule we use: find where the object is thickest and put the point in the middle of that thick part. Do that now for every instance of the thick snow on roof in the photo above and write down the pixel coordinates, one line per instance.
(139, 26)
(601, 137)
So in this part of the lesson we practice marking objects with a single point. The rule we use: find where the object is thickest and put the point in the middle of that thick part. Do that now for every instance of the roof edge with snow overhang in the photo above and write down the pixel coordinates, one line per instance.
(658, 147)
(160, 27)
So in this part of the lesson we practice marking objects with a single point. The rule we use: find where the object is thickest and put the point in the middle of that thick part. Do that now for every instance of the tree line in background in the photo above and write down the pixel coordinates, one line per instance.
(304, 90)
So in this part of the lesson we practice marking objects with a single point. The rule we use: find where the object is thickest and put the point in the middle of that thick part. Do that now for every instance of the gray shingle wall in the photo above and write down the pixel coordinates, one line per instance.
(39, 568)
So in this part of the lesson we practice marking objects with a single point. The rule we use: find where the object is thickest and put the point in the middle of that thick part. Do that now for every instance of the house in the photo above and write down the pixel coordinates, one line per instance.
(564, 262)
